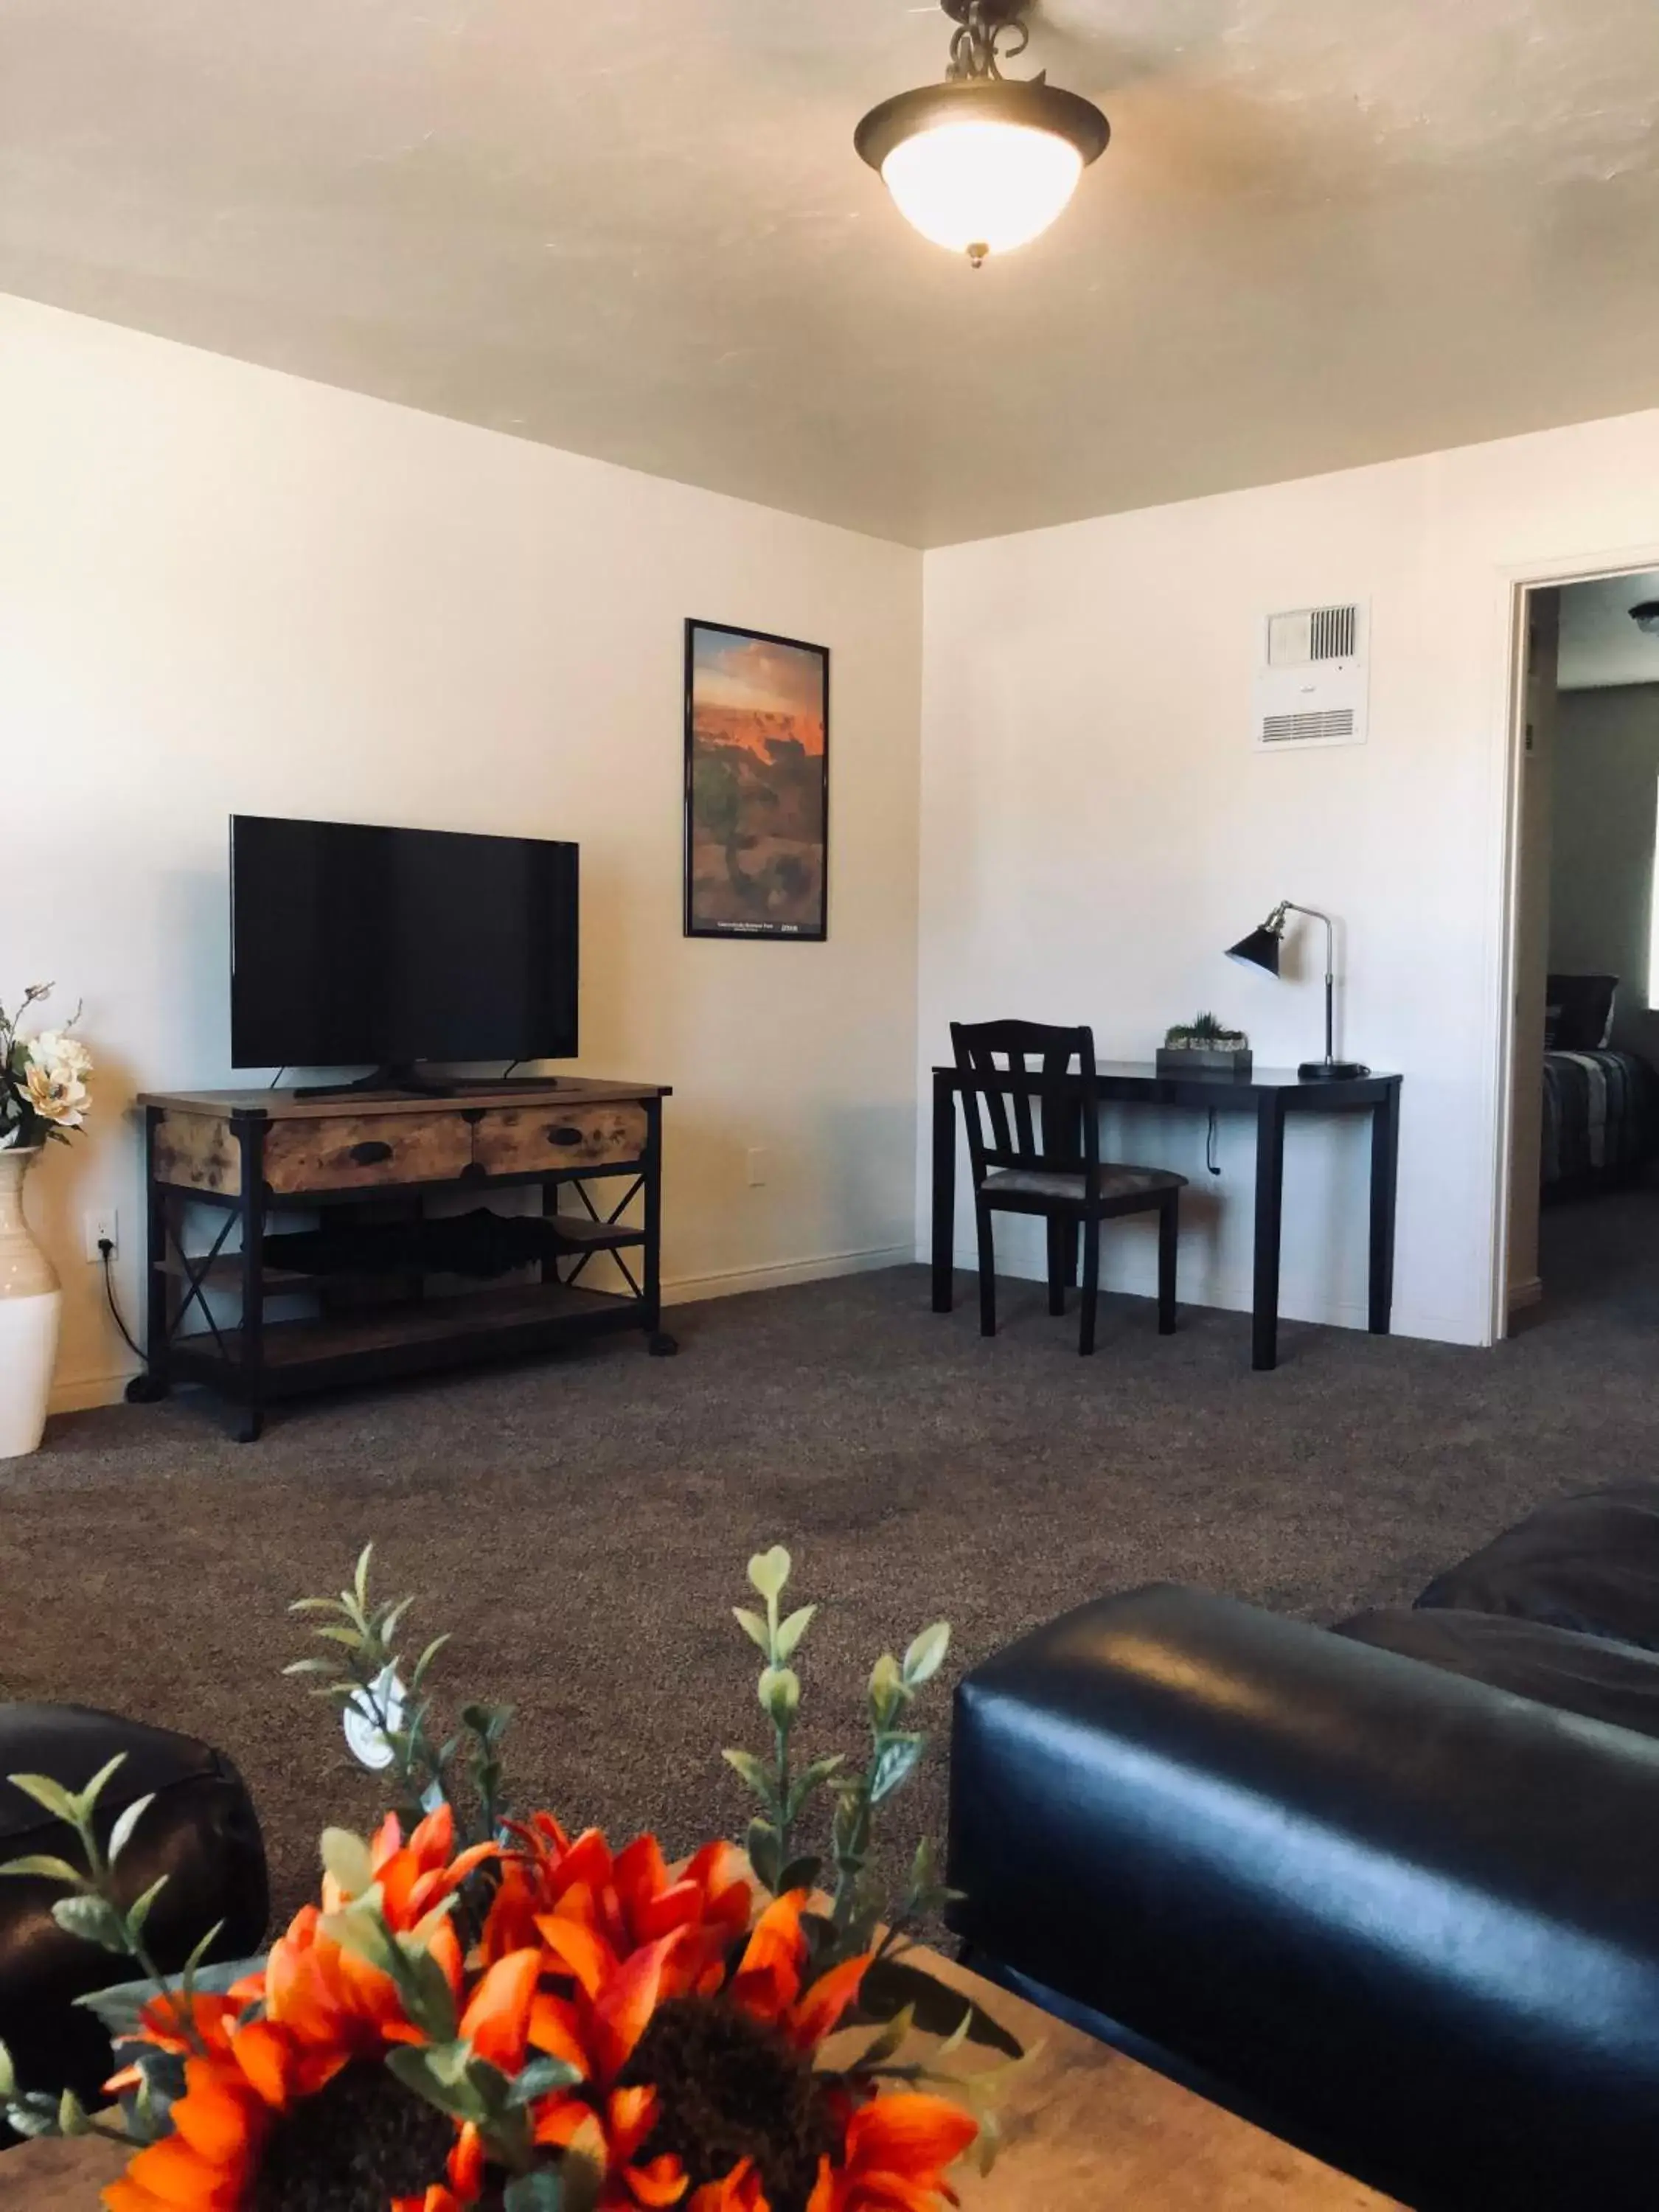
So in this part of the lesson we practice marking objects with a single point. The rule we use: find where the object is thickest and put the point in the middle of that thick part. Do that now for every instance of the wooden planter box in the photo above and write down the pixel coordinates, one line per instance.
(1202, 1059)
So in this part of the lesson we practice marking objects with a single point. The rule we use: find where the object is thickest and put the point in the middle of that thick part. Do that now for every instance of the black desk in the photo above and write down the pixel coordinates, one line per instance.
(1272, 1095)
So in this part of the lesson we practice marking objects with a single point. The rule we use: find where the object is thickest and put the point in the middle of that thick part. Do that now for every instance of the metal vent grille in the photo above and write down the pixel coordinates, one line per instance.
(1312, 634)
(1331, 727)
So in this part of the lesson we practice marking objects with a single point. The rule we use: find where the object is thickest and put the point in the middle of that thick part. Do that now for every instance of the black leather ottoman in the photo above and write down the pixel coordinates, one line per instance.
(1393, 1892)
(1587, 1564)
(201, 1832)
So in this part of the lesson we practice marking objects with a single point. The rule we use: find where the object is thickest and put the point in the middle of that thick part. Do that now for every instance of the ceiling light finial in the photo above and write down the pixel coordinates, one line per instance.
(982, 163)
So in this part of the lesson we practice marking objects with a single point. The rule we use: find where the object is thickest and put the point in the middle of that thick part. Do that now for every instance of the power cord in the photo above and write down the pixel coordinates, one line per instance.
(1210, 1159)
(106, 1253)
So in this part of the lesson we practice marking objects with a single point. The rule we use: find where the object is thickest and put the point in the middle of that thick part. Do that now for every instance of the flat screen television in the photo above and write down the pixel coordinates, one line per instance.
(353, 944)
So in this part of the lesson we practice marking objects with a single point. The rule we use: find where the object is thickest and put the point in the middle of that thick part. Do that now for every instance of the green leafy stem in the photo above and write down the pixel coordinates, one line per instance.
(784, 1793)
(364, 1656)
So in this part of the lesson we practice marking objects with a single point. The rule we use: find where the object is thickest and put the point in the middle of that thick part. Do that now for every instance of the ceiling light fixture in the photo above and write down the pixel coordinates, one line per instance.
(1646, 617)
(982, 163)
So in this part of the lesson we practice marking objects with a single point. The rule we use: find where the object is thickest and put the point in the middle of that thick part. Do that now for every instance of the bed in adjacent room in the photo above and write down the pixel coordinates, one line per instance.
(1600, 1106)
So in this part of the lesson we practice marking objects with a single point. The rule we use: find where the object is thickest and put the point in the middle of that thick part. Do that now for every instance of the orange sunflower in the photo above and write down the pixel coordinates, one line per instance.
(596, 2029)
(740, 2191)
(171, 2024)
(893, 2157)
(414, 1877)
(676, 2069)
(630, 1898)
(329, 2018)
(331, 1998)
(230, 2150)
(250, 2076)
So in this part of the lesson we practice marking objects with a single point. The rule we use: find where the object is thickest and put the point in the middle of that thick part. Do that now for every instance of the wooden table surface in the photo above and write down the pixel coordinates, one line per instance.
(1087, 2131)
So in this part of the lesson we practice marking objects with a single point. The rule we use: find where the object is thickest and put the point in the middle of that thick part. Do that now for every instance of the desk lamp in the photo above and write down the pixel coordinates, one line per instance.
(1261, 948)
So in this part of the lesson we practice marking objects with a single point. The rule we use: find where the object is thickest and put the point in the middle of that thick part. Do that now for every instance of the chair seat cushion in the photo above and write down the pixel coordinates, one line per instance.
(1112, 1181)
(1588, 1563)
(1588, 1675)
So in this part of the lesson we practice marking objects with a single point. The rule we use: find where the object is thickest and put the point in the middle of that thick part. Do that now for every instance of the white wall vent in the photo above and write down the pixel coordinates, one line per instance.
(1312, 681)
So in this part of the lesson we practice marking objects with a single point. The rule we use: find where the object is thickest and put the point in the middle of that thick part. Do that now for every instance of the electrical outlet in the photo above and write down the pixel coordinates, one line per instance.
(759, 1160)
(96, 1227)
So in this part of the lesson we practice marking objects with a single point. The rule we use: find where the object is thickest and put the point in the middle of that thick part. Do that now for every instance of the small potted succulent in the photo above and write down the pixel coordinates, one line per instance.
(1204, 1046)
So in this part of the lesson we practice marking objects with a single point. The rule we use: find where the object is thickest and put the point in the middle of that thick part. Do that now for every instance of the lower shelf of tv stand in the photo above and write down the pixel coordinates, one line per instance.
(298, 1357)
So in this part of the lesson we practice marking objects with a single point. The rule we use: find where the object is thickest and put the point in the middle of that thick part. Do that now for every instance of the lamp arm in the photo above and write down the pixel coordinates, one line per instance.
(1314, 915)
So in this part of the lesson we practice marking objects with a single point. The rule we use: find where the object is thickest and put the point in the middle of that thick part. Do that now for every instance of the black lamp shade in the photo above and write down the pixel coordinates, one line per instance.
(1260, 948)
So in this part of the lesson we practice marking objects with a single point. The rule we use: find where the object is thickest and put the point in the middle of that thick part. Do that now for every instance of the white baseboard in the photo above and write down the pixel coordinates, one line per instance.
(1293, 1305)
(729, 1282)
(79, 1394)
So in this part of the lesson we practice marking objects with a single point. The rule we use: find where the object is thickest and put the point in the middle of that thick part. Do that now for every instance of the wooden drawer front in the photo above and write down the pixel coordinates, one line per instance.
(356, 1151)
(529, 1139)
(199, 1151)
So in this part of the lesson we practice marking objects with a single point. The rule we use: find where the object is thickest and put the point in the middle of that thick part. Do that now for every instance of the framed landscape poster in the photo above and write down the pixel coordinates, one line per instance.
(756, 784)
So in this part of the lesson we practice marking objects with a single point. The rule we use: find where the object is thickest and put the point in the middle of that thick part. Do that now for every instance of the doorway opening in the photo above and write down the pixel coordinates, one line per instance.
(1583, 1154)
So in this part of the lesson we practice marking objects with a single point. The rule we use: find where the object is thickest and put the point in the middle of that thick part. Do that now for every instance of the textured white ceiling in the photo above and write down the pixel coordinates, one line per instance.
(1599, 643)
(1327, 231)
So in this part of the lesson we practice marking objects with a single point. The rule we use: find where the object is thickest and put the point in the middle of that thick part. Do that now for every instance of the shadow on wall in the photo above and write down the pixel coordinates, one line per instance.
(866, 1217)
(195, 906)
(837, 1189)
(94, 1174)
(190, 962)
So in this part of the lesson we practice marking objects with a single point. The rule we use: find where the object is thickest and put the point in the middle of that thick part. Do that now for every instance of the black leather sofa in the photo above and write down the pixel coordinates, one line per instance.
(1392, 1890)
(200, 1832)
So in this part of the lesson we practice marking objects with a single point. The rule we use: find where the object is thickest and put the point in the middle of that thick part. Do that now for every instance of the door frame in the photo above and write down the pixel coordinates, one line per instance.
(1518, 580)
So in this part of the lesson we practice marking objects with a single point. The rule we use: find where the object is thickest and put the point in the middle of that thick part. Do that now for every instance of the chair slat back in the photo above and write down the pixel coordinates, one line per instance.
(1063, 1134)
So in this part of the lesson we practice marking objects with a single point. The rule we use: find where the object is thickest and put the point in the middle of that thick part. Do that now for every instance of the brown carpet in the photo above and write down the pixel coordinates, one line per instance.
(582, 1525)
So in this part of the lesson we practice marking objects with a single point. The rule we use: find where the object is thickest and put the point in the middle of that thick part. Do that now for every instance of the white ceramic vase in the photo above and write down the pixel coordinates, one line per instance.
(30, 1299)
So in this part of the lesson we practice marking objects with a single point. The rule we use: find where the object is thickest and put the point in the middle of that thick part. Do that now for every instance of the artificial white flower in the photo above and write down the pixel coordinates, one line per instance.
(60, 1099)
(64, 1054)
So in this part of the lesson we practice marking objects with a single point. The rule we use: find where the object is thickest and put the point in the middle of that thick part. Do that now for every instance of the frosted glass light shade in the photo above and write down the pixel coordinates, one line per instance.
(982, 184)
(981, 167)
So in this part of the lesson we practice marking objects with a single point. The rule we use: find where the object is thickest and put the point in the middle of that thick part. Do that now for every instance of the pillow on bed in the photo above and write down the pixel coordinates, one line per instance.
(1578, 1012)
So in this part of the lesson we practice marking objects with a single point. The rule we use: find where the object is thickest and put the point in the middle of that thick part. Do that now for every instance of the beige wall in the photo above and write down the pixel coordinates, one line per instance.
(221, 589)
(1607, 803)
(1096, 827)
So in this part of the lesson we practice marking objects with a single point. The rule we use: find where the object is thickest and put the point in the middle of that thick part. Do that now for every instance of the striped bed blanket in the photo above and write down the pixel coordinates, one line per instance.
(1600, 1117)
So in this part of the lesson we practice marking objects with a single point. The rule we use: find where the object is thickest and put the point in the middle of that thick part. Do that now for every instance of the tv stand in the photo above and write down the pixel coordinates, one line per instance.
(363, 1166)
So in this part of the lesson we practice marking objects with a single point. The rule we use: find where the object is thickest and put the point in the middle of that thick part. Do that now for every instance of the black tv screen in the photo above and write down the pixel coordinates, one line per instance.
(351, 944)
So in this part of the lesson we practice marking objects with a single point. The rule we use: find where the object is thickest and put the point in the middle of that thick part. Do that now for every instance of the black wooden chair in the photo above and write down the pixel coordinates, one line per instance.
(1047, 1161)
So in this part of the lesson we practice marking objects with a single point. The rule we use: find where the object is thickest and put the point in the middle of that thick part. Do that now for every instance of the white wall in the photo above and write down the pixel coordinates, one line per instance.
(1096, 828)
(222, 588)
(1607, 803)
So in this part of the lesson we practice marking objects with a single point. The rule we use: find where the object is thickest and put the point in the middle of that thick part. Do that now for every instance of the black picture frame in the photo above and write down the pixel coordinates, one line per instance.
(790, 780)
